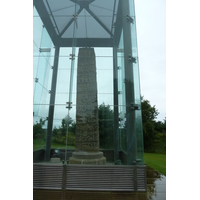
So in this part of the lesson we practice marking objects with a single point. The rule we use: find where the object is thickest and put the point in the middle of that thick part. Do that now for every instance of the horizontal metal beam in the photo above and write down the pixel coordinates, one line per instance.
(87, 42)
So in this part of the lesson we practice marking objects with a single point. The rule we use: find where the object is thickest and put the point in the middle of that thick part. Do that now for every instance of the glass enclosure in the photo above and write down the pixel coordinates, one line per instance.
(61, 29)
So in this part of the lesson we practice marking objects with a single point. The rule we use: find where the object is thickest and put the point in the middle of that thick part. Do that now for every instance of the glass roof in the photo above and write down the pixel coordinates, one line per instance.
(93, 19)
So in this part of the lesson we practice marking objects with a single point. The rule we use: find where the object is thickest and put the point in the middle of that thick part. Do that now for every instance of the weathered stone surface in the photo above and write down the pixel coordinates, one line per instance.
(97, 161)
(55, 160)
(87, 125)
(86, 155)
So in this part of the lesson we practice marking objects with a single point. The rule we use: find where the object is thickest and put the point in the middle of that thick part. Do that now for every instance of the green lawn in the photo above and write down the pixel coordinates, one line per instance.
(156, 161)
(39, 144)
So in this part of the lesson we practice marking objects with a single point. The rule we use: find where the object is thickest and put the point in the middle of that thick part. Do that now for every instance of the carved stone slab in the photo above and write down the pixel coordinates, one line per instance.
(87, 127)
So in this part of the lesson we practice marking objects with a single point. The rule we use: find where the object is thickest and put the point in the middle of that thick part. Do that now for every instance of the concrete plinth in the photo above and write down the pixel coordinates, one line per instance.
(55, 160)
(87, 158)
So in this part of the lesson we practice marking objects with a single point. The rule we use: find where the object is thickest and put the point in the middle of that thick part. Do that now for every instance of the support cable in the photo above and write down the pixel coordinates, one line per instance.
(85, 23)
(36, 80)
(52, 17)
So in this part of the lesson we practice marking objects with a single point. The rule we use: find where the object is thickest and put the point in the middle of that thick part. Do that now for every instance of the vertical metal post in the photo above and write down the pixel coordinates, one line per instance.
(51, 106)
(64, 178)
(116, 117)
(129, 85)
(135, 178)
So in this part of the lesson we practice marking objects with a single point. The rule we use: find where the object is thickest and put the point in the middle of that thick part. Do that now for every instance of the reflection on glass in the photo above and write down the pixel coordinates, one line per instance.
(85, 27)
(42, 73)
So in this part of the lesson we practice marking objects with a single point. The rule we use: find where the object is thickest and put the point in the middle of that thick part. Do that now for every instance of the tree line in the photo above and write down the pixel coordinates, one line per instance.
(154, 132)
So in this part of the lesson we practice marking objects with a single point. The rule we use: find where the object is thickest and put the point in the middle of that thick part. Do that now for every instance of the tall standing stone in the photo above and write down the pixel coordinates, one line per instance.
(87, 125)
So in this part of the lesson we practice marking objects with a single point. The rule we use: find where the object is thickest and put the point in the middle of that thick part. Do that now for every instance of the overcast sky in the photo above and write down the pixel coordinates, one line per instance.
(151, 35)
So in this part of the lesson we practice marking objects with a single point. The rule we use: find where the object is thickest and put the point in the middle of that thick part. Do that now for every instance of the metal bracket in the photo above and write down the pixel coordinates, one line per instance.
(130, 19)
(49, 91)
(69, 105)
(44, 50)
(72, 56)
(131, 58)
(36, 80)
(75, 19)
(118, 67)
(52, 67)
(64, 178)
(126, 81)
(119, 92)
(134, 106)
(74, 16)
(47, 118)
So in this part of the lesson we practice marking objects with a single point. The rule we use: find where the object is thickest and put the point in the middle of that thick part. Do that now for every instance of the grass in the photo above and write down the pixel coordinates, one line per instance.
(156, 161)
(39, 144)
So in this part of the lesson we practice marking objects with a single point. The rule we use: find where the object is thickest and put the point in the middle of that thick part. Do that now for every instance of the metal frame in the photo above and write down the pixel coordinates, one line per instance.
(129, 88)
(51, 105)
(116, 109)
(121, 23)
(67, 42)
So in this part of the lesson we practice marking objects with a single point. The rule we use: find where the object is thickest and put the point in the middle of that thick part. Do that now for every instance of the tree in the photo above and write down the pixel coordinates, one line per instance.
(149, 114)
(38, 131)
(106, 122)
(160, 127)
(154, 132)
(64, 122)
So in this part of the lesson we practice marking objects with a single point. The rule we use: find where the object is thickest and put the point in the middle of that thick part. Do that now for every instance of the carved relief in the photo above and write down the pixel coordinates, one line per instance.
(87, 127)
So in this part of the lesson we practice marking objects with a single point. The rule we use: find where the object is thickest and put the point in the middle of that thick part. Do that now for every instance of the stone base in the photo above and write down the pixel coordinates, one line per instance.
(55, 160)
(81, 157)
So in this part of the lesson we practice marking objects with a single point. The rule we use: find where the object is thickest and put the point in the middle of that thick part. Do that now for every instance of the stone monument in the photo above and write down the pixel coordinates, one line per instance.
(87, 125)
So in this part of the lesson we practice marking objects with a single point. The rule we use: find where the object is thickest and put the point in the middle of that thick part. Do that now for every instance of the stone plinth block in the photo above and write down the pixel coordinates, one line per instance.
(95, 158)
(55, 160)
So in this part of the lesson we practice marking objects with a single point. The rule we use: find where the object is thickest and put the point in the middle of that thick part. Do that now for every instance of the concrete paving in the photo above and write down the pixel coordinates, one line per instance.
(156, 190)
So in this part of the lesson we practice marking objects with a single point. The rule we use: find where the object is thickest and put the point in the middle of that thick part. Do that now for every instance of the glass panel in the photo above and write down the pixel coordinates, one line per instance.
(63, 130)
(136, 83)
(121, 96)
(40, 127)
(71, 83)
(94, 23)
(41, 70)
(135, 65)
(75, 26)
(139, 132)
(122, 129)
(106, 124)
(131, 8)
